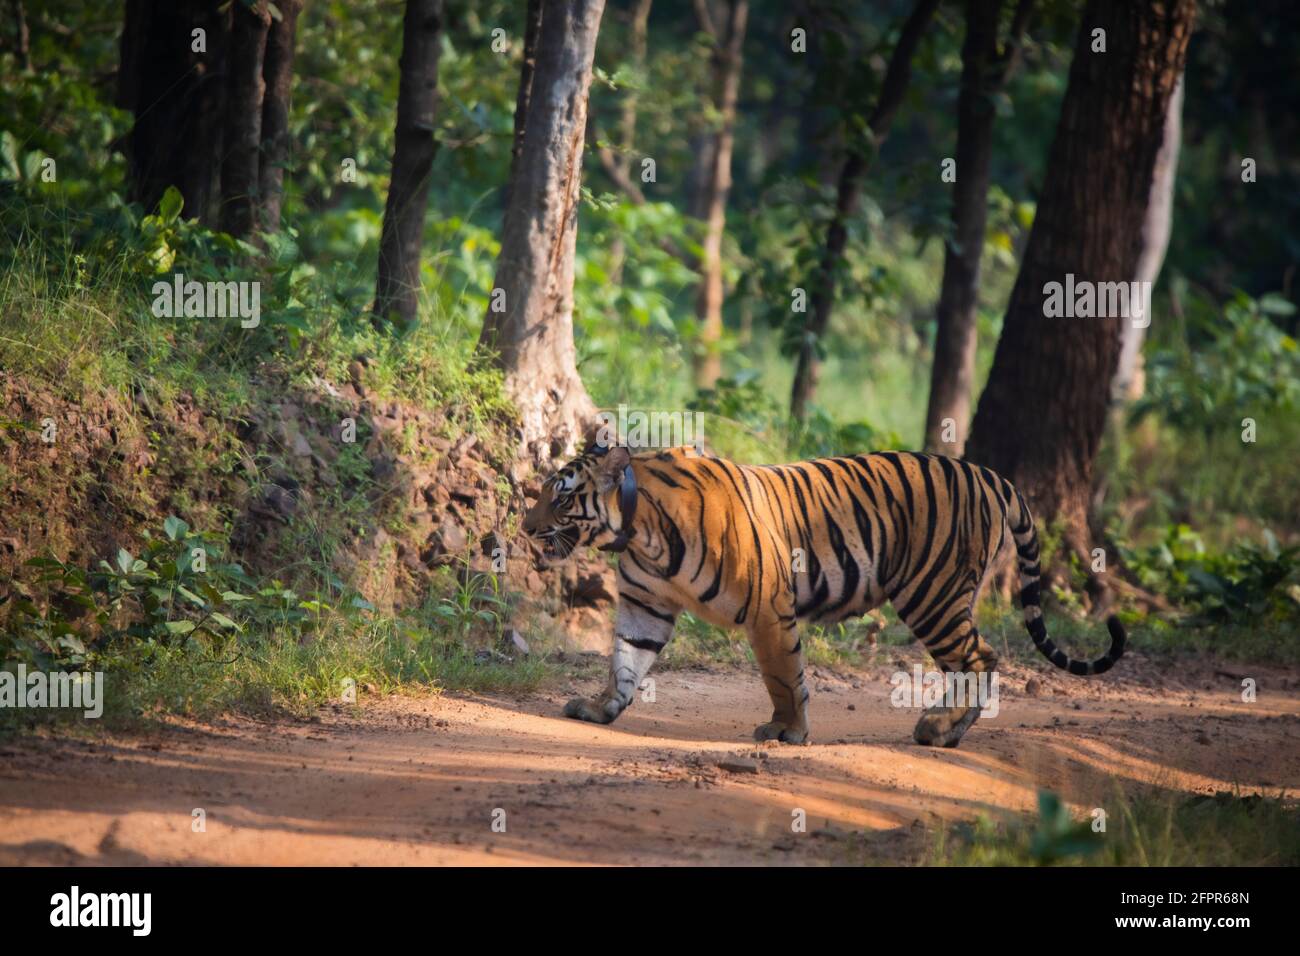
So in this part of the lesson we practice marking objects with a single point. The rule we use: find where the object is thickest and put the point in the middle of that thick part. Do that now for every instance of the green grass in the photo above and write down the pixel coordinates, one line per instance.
(699, 644)
(1143, 828)
(1264, 641)
(282, 672)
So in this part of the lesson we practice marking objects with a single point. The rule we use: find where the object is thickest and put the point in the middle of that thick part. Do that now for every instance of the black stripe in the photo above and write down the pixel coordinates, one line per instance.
(642, 643)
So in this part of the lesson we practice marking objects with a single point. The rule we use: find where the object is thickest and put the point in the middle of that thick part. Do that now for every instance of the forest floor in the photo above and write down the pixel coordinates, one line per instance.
(421, 779)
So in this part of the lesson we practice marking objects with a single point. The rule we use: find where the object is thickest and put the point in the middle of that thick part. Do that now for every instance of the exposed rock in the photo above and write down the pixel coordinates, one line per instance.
(738, 765)
(514, 642)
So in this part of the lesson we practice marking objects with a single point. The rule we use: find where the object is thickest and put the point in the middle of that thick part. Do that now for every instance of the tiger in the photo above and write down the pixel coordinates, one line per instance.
(702, 534)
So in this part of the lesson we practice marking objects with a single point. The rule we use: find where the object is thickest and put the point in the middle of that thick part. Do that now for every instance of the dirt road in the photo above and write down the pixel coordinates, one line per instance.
(422, 780)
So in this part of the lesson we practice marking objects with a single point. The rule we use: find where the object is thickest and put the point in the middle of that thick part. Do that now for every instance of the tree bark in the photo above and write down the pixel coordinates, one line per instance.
(1130, 380)
(727, 48)
(177, 96)
(897, 76)
(277, 71)
(952, 374)
(397, 287)
(245, 91)
(619, 167)
(1041, 416)
(531, 337)
(532, 27)
(22, 36)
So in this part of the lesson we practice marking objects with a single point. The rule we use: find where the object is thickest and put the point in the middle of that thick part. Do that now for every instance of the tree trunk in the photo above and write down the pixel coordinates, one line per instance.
(244, 95)
(528, 329)
(397, 287)
(952, 375)
(638, 22)
(1130, 382)
(1041, 416)
(726, 85)
(177, 95)
(532, 27)
(277, 71)
(897, 76)
(22, 36)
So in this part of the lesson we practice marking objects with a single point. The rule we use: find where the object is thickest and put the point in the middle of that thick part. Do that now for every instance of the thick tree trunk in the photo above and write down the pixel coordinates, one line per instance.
(243, 128)
(277, 71)
(897, 76)
(397, 287)
(727, 47)
(1041, 416)
(528, 330)
(952, 375)
(1130, 382)
(177, 95)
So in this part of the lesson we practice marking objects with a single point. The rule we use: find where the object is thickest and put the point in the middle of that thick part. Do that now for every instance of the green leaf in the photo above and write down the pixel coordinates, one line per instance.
(174, 527)
(179, 627)
(169, 208)
(124, 560)
(191, 596)
(225, 622)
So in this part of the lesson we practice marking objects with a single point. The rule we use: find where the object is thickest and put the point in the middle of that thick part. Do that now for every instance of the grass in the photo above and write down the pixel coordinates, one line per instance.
(696, 643)
(282, 672)
(1143, 827)
(1262, 641)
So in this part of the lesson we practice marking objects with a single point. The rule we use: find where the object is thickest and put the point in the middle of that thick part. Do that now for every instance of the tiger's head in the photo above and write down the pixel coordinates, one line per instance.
(579, 504)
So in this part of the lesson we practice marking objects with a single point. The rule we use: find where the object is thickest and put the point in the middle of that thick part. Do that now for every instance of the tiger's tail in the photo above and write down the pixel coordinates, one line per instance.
(1022, 528)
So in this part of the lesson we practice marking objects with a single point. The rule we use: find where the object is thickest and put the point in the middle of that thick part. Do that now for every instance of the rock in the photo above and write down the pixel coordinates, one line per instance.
(464, 445)
(465, 495)
(356, 372)
(738, 765)
(586, 629)
(450, 538)
(278, 502)
(515, 643)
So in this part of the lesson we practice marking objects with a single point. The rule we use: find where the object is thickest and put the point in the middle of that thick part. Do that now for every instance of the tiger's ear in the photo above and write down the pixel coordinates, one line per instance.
(609, 469)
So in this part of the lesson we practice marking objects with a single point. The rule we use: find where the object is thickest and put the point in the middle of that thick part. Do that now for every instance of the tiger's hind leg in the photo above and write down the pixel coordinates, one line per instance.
(779, 652)
(967, 662)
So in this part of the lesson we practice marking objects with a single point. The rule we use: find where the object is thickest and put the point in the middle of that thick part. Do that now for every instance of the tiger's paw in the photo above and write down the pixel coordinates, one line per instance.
(597, 711)
(944, 726)
(777, 730)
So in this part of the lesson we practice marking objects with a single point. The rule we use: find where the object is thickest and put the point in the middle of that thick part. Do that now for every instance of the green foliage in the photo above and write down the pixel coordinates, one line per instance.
(1058, 836)
(1143, 828)
(177, 589)
(1248, 581)
(1233, 362)
(743, 402)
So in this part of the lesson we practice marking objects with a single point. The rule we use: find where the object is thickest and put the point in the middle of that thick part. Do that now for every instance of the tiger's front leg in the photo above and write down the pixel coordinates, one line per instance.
(779, 652)
(640, 633)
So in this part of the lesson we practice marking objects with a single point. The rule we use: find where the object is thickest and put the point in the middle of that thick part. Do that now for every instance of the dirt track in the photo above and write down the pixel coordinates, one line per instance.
(416, 780)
